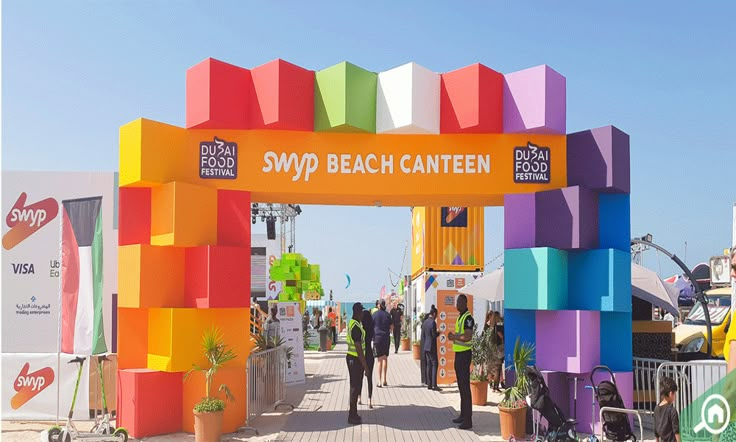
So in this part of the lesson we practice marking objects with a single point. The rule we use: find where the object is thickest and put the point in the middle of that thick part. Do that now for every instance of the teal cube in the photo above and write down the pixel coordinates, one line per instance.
(536, 279)
(345, 99)
(600, 280)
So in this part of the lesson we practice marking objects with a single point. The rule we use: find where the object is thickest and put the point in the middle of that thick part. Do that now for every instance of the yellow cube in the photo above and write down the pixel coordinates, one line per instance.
(183, 214)
(150, 153)
(175, 336)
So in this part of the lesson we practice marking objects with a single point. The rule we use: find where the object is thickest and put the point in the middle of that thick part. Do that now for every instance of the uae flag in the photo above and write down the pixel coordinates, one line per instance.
(82, 331)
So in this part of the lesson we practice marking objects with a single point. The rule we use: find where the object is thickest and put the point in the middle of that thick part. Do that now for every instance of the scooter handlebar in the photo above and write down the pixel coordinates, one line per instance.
(77, 360)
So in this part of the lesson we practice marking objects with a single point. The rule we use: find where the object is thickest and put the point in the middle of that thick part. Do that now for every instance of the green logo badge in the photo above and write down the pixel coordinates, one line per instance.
(711, 413)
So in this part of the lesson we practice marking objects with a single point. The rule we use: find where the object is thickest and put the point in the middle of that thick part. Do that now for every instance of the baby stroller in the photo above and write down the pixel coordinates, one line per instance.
(560, 428)
(616, 425)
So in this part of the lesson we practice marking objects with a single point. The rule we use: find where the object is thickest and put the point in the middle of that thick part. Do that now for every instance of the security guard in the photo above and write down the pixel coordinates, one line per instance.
(356, 361)
(463, 355)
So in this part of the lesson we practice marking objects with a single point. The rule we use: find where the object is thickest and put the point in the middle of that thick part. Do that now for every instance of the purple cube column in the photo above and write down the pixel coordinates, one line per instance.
(599, 160)
(567, 218)
(625, 386)
(520, 221)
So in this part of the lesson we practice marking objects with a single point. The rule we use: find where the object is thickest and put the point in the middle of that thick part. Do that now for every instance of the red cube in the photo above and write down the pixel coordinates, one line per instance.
(233, 218)
(134, 215)
(218, 94)
(283, 98)
(217, 277)
(471, 100)
(149, 402)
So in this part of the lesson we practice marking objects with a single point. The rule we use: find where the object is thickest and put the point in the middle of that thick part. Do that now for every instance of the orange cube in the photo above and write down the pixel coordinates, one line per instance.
(149, 402)
(150, 276)
(132, 338)
(183, 215)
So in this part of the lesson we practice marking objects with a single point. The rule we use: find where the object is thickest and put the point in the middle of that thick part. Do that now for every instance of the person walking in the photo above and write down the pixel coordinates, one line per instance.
(273, 328)
(396, 315)
(332, 316)
(370, 360)
(382, 341)
(429, 335)
(463, 356)
(356, 361)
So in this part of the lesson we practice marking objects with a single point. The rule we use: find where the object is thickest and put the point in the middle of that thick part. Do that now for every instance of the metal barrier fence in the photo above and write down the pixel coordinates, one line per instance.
(693, 379)
(266, 374)
(645, 384)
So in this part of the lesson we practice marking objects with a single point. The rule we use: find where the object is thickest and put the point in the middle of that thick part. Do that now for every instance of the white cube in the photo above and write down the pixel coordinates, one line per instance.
(408, 101)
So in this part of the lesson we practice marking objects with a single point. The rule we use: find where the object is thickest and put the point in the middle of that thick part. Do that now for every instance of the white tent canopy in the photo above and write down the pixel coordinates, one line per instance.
(645, 284)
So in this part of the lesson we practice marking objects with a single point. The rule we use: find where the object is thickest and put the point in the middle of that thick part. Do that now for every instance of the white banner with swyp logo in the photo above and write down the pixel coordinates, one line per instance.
(31, 384)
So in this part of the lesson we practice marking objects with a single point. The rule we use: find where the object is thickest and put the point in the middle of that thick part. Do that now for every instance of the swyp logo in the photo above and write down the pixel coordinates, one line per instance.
(302, 165)
(24, 220)
(28, 385)
(710, 413)
(531, 164)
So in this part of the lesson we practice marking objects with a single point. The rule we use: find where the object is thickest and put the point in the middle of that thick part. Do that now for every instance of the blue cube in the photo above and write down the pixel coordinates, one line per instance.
(616, 341)
(614, 221)
(600, 280)
(521, 324)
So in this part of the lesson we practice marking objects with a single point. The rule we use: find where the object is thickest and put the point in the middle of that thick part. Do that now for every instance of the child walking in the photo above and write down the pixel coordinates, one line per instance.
(666, 420)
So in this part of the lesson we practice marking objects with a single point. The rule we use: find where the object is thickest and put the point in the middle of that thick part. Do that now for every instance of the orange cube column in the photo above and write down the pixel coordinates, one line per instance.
(218, 276)
(150, 276)
(233, 218)
(149, 402)
(183, 215)
(134, 215)
(132, 338)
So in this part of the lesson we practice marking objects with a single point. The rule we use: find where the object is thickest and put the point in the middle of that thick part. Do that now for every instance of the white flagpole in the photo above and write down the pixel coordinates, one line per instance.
(59, 306)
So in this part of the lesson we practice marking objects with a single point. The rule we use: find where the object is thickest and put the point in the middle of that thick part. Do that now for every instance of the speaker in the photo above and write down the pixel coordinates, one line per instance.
(271, 228)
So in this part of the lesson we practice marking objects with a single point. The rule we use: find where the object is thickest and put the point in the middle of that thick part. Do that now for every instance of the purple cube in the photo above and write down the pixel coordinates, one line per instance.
(567, 218)
(599, 160)
(520, 221)
(567, 340)
(534, 101)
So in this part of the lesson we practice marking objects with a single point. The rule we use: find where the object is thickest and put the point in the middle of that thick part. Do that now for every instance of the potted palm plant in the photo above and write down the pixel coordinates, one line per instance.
(481, 357)
(416, 347)
(405, 333)
(209, 411)
(513, 408)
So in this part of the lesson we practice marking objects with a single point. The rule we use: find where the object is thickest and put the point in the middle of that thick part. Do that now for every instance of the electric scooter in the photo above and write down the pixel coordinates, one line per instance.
(103, 431)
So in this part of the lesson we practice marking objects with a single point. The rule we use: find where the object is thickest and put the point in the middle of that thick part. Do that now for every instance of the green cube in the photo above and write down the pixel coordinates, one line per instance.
(345, 99)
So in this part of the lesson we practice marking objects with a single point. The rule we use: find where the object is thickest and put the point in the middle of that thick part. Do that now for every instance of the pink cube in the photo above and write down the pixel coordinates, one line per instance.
(568, 340)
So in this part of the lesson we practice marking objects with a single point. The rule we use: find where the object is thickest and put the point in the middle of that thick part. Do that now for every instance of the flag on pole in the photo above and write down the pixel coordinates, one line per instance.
(82, 330)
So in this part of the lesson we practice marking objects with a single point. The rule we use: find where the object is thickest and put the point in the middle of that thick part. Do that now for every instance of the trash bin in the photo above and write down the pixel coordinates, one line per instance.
(323, 338)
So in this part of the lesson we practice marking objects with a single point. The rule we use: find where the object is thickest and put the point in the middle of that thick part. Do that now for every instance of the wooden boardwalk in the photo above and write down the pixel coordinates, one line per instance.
(403, 411)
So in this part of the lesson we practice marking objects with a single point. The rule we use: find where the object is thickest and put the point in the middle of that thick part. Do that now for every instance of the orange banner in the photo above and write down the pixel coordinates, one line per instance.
(346, 169)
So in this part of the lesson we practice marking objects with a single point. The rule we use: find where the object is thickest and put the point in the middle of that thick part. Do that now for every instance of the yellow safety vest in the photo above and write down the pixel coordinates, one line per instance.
(458, 346)
(351, 345)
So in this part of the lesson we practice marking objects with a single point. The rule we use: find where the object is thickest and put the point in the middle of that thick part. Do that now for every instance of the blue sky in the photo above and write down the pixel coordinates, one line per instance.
(664, 72)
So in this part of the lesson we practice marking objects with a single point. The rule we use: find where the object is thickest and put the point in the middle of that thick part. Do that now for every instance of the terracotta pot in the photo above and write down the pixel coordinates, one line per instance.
(513, 422)
(416, 351)
(404, 344)
(208, 426)
(479, 392)
(329, 344)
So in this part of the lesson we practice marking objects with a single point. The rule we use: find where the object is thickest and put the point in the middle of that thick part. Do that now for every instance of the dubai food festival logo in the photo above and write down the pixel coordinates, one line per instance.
(454, 217)
(531, 164)
(25, 220)
(29, 385)
(218, 159)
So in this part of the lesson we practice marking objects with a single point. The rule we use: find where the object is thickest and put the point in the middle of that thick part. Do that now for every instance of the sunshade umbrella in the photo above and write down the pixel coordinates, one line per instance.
(488, 287)
(648, 286)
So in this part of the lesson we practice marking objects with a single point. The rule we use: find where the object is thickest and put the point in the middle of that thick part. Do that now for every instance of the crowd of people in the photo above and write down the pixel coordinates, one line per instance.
(368, 339)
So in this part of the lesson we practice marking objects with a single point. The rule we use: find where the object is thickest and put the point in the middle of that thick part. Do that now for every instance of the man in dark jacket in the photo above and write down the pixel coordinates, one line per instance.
(429, 335)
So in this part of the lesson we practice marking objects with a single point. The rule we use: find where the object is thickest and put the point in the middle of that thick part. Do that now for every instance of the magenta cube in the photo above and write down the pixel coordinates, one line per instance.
(599, 160)
(567, 218)
(568, 340)
(520, 221)
(559, 391)
(625, 385)
(534, 101)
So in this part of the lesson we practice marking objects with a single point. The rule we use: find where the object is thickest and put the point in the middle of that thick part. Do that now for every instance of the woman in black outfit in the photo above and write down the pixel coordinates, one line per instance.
(370, 360)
